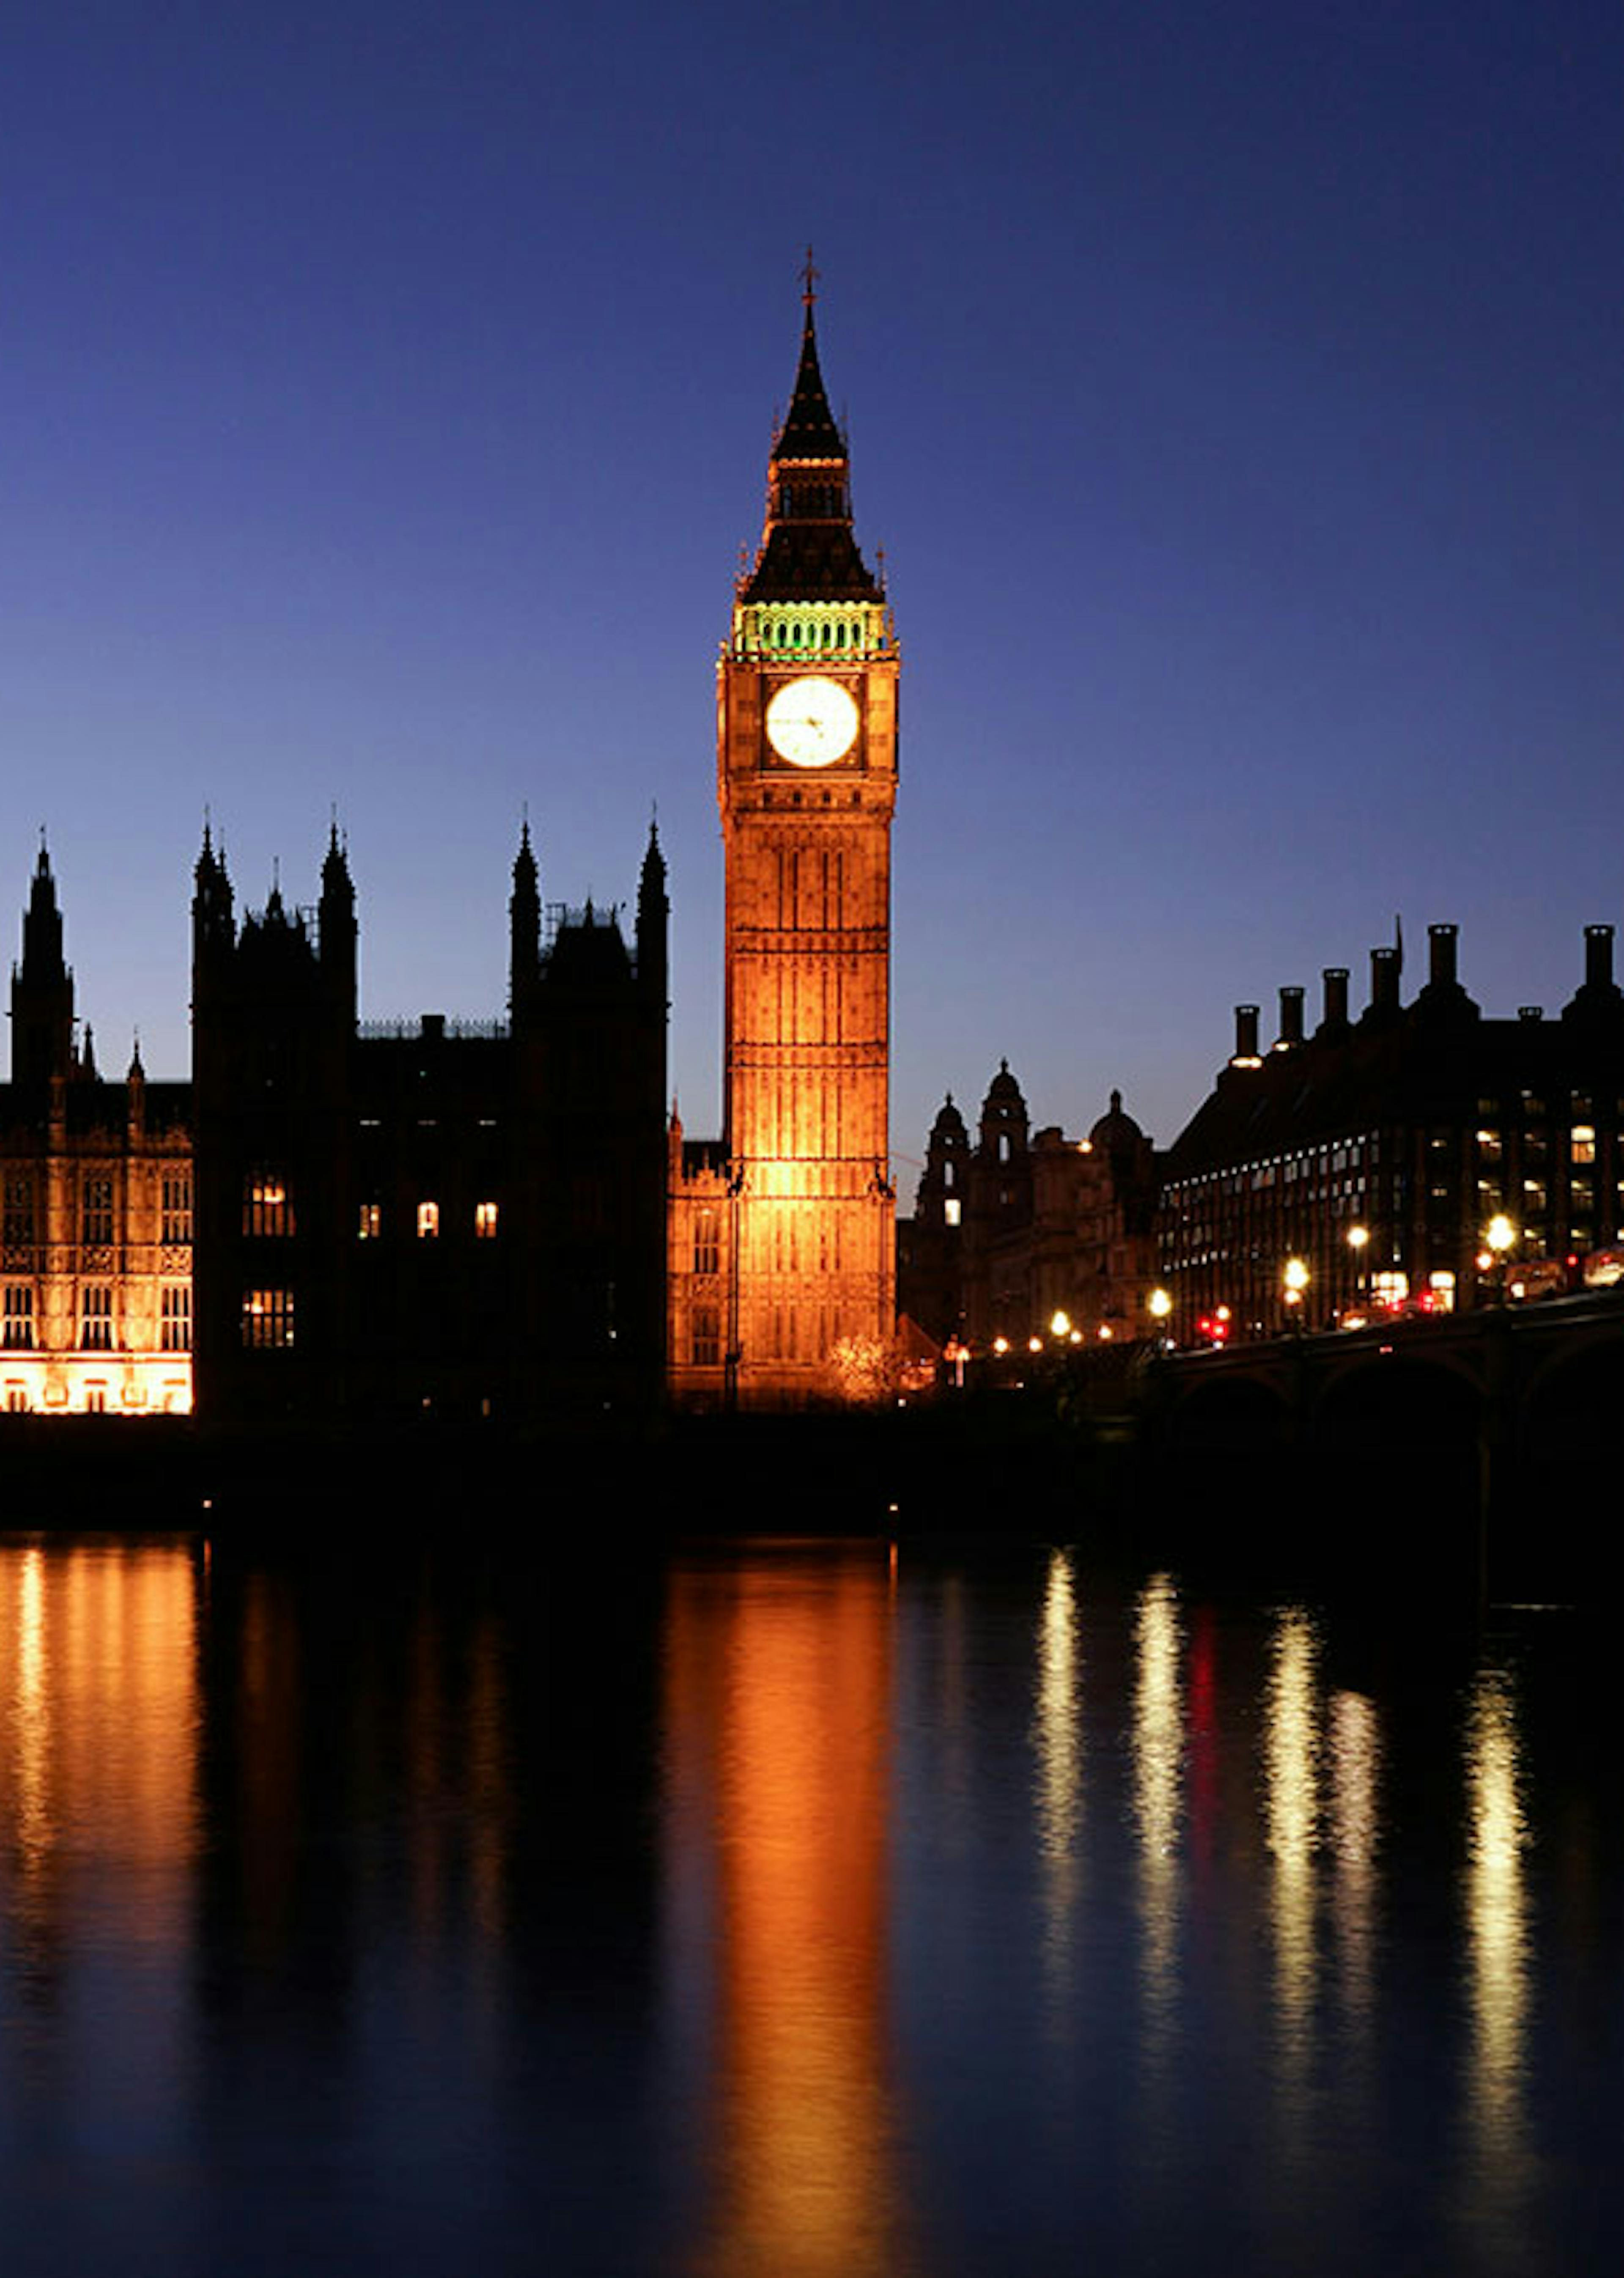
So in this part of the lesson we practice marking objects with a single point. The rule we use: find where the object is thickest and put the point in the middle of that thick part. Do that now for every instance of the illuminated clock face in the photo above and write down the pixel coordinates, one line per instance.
(811, 722)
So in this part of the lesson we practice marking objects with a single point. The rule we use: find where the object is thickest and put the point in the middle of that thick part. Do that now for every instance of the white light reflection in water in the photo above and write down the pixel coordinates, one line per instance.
(1356, 1774)
(1058, 1738)
(1158, 1768)
(1496, 1924)
(1290, 1789)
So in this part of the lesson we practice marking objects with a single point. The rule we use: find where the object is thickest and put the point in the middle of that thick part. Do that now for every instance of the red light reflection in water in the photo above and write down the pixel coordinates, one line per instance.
(777, 1696)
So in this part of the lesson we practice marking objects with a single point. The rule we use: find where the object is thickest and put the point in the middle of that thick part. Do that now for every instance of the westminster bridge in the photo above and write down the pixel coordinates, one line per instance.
(1498, 1428)
(1545, 1379)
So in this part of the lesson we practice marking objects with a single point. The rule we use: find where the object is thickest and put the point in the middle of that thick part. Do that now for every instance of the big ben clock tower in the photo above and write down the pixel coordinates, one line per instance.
(802, 1233)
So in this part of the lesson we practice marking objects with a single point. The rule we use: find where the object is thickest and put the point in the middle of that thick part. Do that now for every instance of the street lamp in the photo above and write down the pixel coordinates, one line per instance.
(1161, 1306)
(1501, 1237)
(1359, 1242)
(1296, 1280)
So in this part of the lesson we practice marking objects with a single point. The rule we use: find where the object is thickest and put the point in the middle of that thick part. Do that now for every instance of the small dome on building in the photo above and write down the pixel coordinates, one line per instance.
(949, 1127)
(1116, 1133)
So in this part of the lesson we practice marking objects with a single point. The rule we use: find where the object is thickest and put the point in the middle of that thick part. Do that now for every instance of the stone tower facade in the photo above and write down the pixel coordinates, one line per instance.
(782, 1239)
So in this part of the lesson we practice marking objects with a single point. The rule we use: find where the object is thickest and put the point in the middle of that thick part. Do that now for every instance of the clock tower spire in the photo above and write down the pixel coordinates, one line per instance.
(798, 1304)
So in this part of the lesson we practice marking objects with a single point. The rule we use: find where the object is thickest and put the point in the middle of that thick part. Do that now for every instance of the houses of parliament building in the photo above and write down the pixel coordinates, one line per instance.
(337, 1222)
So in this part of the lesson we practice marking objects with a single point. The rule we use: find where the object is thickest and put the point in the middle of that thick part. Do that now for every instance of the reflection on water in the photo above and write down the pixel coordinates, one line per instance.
(777, 1683)
(1355, 1772)
(100, 1767)
(1057, 1737)
(1498, 1952)
(1290, 1794)
(1158, 1758)
(801, 1908)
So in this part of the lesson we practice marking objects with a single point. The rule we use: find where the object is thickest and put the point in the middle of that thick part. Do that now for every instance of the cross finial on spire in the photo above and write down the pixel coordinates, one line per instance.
(809, 282)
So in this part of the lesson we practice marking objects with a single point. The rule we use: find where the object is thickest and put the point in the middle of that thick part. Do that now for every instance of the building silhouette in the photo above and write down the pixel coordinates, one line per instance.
(460, 1221)
(1408, 1128)
(781, 1234)
(1014, 1227)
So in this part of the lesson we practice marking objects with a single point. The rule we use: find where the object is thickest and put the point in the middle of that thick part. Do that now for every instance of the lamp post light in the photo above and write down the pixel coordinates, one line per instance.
(1296, 1280)
(1359, 1242)
(1500, 1235)
(1160, 1305)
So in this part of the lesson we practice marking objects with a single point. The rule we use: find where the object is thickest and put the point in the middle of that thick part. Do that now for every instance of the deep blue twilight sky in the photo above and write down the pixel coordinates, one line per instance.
(1234, 387)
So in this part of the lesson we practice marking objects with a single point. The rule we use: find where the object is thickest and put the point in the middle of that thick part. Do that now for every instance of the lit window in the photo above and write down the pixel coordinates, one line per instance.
(177, 1208)
(96, 1332)
(485, 1221)
(175, 1326)
(97, 1220)
(706, 1338)
(18, 1330)
(267, 1207)
(1582, 1143)
(707, 1243)
(268, 1319)
(1488, 1146)
(951, 1209)
(428, 1222)
(17, 1398)
(371, 1222)
(95, 1399)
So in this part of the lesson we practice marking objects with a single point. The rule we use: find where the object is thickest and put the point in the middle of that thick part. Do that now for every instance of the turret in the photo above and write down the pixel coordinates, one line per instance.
(524, 924)
(653, 914)
(1003, 1119)
(135, 1096)
(338, 931)
(946, 1176)
(41, 991)
(213, 923)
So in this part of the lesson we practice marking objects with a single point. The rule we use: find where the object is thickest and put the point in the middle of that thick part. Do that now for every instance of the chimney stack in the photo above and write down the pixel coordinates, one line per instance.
(1335, 978)
(1442, 938)
(1246, 1054)
(1290, 1018)
(1383, 981)
(1598, 957)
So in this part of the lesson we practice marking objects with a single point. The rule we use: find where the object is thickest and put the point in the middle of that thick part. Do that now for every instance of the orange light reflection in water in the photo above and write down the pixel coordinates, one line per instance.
(777, 1699)
(98, 1757)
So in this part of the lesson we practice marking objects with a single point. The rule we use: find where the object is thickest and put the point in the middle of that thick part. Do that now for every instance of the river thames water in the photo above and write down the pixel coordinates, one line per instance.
(807, 1910)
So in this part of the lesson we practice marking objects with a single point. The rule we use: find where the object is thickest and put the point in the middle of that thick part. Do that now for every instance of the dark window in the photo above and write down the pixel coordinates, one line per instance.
(97, 1220)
